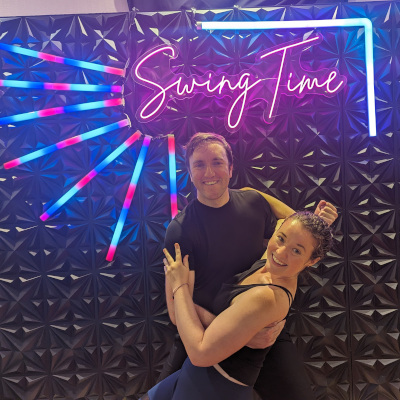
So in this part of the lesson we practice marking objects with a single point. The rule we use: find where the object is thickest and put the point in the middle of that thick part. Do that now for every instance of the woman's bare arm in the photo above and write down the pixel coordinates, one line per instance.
(169, 298)
(205, 316)
(230, 330)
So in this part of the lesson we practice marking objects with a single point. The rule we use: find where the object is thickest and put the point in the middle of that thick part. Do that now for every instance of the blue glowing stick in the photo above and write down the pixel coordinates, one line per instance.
(60, 110)
(65, 143)
(60, 86)
(128, 198)
(61, 60)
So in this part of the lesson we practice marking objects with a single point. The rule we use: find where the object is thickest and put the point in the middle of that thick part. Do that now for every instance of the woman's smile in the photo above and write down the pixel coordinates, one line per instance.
(277, 260)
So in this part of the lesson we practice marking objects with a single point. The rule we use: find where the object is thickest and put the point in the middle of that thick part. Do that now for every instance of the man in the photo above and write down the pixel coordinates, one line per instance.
(223, 233)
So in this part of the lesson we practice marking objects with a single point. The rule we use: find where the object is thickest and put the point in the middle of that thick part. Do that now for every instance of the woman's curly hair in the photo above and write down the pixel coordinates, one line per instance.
(318, 228)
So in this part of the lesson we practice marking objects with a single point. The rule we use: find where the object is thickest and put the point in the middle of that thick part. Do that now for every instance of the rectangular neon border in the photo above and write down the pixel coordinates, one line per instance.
(346, 22)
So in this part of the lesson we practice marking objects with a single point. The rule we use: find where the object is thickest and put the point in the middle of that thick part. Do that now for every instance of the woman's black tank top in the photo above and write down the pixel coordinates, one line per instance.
(245, 364)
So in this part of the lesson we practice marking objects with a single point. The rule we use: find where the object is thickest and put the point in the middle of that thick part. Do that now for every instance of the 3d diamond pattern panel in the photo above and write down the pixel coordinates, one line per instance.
(75, 326)
(64, 315)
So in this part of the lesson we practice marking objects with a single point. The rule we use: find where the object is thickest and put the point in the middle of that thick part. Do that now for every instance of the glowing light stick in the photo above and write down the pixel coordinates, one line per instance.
(128, 198)
(65, 143)
(62, 60)
(87, 178)
(172, 175)
(346, 22)
(60, 110)
(60, 86)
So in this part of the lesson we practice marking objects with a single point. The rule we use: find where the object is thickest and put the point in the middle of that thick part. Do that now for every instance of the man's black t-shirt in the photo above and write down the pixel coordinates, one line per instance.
(221, 242)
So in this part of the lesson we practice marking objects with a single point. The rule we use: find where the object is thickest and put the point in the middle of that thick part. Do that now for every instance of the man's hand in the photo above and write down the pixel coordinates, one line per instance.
(326, 211)
(204, 315)
(267, 336)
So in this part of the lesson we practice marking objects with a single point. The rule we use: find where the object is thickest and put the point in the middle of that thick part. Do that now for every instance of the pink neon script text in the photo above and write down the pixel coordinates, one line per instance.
(239, 87)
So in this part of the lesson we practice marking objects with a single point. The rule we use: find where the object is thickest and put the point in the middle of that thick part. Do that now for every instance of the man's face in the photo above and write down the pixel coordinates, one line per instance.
(210, 173)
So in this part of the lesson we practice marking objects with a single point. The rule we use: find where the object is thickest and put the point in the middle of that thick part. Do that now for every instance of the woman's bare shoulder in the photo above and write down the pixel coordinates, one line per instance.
(271, 299)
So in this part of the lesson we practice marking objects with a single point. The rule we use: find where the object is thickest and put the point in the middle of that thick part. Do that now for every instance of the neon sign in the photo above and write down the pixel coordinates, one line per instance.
(276, 71)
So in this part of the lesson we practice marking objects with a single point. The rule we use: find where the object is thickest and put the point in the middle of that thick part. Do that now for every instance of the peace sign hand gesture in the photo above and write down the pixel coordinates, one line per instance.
(176, 271)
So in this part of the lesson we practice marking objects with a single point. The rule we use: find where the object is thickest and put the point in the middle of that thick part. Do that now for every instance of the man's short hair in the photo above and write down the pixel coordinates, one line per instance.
(202, 138)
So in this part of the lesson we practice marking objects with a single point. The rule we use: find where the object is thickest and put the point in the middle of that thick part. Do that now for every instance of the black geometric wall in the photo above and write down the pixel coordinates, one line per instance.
(75, 326)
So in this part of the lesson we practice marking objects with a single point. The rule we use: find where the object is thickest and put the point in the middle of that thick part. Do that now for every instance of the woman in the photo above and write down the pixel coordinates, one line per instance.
(219, 366)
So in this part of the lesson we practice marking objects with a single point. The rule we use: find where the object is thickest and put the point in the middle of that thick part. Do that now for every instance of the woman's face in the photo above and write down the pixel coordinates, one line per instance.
(290, 248)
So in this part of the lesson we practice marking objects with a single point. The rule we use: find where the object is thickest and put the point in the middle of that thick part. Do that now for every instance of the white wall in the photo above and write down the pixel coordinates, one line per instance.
(19, 8)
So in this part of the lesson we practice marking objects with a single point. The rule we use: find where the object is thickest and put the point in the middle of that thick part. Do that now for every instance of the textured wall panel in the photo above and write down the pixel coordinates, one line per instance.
(75, 326)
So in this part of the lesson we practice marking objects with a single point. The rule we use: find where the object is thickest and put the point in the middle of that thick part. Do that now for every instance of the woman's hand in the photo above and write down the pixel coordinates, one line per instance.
(326, 211)
(176, 271)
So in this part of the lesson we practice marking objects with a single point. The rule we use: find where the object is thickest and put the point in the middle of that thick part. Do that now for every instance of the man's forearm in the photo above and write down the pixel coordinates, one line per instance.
(205, 316)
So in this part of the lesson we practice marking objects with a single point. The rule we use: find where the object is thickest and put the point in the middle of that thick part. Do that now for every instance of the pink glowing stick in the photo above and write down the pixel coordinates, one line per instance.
(172, 175)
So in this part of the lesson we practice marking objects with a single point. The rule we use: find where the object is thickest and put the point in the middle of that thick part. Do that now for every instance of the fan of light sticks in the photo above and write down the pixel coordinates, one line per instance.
(88, 135)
